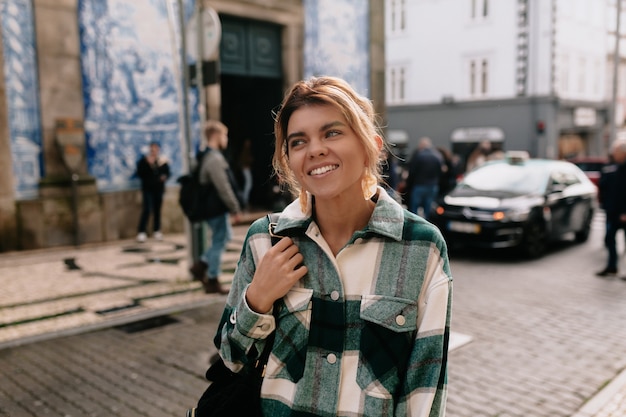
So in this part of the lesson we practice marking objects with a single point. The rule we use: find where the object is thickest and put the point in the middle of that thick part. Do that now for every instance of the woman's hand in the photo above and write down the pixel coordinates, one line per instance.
(277, 272)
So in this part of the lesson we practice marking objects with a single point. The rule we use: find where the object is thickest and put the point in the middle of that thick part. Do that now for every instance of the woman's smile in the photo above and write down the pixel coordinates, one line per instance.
(323, 170)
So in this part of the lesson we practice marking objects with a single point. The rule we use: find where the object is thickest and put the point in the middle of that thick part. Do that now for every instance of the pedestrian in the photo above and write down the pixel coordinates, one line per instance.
(214, 169)
(390, 174)
(153, 170)
(612, 192)
(448, 177)
(245, 166)
(425, 169)
(358, 290)
(478, 156)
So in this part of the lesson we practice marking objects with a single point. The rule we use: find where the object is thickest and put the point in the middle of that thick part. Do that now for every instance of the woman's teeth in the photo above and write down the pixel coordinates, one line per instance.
(323, 170)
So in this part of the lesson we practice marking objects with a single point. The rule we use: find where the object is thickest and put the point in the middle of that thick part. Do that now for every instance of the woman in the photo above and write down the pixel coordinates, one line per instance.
(153, 170)
(358, 290)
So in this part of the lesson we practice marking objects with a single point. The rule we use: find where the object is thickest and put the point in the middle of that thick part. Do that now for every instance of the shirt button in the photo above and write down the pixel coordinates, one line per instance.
(233, 317)
(265, 327)
(331, 358)
(400, 320)
(334, 295)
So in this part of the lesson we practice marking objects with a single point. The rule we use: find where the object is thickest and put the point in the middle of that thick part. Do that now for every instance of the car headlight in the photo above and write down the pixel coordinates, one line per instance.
(512, 215)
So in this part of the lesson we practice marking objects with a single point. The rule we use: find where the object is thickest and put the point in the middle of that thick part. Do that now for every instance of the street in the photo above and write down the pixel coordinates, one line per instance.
(546, 336)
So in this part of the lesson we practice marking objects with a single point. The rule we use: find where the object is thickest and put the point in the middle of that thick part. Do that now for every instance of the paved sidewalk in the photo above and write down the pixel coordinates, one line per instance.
(62, 291)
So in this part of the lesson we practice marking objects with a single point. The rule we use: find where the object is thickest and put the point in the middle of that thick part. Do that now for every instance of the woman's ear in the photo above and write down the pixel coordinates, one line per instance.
(379, 142)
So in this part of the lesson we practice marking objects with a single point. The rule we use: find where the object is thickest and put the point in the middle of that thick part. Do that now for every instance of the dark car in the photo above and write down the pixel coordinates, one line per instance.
(518, 203)
(591, 166)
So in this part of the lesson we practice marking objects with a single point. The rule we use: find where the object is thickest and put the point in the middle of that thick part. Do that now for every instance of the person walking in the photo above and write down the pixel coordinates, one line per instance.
(358, 290)
(612, 192)
(153, 170)
(214, 169)
(245, 162)
(425, 169)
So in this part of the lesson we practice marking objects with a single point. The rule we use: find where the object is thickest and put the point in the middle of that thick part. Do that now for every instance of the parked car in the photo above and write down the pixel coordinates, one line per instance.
(518, 203)
(591, 166)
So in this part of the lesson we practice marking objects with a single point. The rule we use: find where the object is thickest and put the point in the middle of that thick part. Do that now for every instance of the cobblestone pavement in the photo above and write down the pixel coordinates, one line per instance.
(129, 334)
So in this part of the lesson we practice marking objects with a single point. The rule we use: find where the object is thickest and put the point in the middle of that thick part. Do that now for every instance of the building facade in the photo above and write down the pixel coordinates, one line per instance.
(86, 85)
(523, 74)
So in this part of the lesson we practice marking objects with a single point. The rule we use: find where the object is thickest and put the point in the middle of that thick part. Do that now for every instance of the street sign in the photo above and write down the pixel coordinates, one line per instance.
(208, 38)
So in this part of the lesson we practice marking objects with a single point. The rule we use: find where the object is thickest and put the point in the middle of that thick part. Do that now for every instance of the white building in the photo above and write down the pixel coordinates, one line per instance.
(525, 74)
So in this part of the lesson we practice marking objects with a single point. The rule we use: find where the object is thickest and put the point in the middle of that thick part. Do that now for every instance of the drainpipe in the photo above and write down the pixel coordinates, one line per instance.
(616, 59)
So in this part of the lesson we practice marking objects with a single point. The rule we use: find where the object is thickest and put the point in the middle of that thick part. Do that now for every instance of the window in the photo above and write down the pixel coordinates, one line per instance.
(472, 78)
(479, 9)
(596, 77)
(564, 74)
(478, 77)
(397, 84)
(484, 76)
(397, 15)
(582, 63)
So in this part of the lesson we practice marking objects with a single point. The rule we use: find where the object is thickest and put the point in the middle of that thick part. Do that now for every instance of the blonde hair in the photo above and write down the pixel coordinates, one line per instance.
(212, 127)
(356, 109)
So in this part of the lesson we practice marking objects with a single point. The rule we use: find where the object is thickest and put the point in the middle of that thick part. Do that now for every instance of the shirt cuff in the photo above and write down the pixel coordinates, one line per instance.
(250, 323)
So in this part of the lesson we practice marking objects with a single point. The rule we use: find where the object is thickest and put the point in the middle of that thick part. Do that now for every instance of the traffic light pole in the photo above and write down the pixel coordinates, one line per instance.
(191, 229)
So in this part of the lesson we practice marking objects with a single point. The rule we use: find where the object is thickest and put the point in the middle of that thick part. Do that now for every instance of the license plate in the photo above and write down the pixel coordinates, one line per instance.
(464, 227)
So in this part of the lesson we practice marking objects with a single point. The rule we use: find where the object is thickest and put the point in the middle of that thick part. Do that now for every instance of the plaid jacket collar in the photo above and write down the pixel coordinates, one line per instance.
(386, 220)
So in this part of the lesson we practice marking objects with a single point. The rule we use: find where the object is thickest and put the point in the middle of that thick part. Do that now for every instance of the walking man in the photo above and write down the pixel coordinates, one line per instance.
(214, 169)
(612, 189)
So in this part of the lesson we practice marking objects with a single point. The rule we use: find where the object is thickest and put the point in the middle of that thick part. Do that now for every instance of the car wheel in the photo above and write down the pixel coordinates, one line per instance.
(534, 243)
(583, 234)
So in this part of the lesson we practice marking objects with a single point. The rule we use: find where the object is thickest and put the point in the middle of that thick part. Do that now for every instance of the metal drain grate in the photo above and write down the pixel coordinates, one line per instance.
(147, 324)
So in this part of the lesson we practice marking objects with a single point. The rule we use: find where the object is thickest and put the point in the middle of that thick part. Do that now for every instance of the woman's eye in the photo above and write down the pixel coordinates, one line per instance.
(332, 133)
(293, 143)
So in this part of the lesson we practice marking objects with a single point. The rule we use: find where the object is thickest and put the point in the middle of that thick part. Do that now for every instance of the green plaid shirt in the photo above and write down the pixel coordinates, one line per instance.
(364, 333)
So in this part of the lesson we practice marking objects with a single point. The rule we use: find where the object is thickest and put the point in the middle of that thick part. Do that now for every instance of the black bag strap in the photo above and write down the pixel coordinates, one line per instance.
(273, 220)
(261, 362)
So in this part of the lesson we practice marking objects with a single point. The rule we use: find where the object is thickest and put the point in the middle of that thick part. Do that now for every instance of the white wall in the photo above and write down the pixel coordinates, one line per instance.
(581, 49)
(441, 39)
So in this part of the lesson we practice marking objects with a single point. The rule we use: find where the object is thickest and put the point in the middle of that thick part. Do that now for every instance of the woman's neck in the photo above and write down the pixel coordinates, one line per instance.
(338, 222)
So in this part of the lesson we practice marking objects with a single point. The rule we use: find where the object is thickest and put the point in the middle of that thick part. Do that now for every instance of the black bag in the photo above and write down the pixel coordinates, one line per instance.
(201, 202)
(236, 394)
(232, 394)
(193, 198)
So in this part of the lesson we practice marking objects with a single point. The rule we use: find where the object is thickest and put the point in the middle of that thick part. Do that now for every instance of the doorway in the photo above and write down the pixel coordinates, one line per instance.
(251, 87)
(247, 104)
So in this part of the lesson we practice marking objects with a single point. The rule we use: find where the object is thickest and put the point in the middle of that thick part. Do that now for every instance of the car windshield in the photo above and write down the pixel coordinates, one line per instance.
(507, 178)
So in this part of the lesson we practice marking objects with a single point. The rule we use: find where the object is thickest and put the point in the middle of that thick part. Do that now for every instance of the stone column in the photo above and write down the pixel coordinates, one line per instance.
(8, 223)
(377, 57)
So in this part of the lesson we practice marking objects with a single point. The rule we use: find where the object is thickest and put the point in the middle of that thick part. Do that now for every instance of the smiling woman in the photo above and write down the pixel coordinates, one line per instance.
(358, 290)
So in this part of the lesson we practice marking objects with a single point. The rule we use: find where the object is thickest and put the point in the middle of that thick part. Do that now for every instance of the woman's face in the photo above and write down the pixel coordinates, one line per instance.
(326, 156)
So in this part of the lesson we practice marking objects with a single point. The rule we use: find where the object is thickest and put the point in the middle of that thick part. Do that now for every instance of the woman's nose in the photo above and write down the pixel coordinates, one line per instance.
(317, 147)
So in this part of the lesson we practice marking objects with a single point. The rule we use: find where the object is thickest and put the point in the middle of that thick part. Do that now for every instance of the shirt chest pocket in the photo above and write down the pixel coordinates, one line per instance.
(292, 334)
(387, 336)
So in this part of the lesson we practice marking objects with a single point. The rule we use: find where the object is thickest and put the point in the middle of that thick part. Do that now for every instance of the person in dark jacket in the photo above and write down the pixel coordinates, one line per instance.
(425, 169)
(153, 170)
(612, 188)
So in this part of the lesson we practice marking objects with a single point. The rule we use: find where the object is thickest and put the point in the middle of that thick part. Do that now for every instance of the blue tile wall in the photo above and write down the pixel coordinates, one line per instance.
(132, 86)
(22, 91)
(336, 41)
